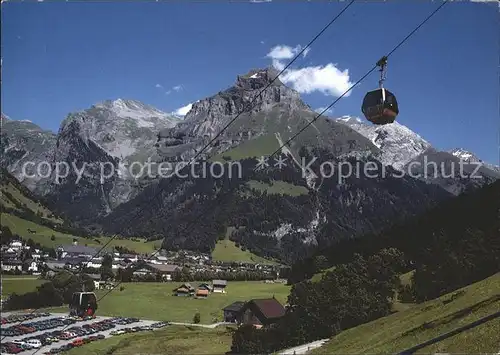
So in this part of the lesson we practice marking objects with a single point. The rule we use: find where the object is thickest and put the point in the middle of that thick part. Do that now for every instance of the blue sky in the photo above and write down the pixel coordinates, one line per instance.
(64, 57)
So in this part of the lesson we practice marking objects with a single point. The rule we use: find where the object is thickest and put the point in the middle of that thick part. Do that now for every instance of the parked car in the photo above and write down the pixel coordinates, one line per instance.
(34, 343)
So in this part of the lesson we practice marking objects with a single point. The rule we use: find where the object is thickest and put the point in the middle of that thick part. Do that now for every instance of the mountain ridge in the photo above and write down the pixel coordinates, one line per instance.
(120, 132)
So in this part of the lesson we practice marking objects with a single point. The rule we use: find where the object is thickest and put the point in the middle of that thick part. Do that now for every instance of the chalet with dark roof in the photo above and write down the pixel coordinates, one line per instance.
(205, 286)
(219, 286)
(232, 312)
(261, 312)
(185, 290)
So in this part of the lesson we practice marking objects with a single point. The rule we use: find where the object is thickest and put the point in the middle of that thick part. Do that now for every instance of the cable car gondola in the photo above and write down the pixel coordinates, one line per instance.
(83, 304)
(380, 106)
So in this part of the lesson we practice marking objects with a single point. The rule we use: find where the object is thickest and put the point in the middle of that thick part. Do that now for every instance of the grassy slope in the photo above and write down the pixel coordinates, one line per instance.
(255, 148)
(43, 236)
(15, 196)
(405, 329)
(278, 187)
(19, 285)
(154, 301)
(226, 250)
(171, 340)
(12, 196)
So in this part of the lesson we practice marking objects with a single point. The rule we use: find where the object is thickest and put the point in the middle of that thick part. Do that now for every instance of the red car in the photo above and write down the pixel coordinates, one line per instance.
(13, 348)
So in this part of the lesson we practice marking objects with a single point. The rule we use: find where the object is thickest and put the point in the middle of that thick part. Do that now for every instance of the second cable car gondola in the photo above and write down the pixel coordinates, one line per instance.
(83, 304)
(380, 106)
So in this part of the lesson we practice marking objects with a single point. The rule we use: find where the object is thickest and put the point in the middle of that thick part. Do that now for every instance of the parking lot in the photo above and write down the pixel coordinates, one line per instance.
(43, 332)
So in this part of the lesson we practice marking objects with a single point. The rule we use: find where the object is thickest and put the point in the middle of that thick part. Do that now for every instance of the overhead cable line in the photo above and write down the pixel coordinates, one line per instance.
(335, 101)
(252, 102)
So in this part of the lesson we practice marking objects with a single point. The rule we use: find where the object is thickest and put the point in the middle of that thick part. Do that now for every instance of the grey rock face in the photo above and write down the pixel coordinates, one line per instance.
(450, 172)
(408, 152)
(397, 143)
(277, 113)
(110, 138)
(107, 138)
(467, 156)
(24, 144)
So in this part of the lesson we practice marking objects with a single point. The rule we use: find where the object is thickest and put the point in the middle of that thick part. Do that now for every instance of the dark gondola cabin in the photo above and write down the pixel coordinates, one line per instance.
(380, 106)
(83, 304)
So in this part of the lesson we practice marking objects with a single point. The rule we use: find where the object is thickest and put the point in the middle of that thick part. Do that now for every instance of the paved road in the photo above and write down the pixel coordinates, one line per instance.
(211, 326)
(63, 342)
(304, 348)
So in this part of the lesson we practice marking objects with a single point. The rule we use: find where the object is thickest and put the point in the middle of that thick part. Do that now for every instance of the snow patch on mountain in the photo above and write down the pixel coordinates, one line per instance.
(465, 155)
(398, 144)
(143, 115)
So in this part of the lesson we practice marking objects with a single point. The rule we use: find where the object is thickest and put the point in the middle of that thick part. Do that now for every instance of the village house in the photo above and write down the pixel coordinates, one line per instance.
(205, 286)
(159, 260)
(219, 286)
(200, 293)
(261, 312)
(74, 263)
(100, 284)
(36, 255)
(166, 271)
(184, 290)
(142, 272)
(232, 312)
(16, 245)
(55, 264)
(75, 251)
(12, 265)
(32, 265)
(131, 258)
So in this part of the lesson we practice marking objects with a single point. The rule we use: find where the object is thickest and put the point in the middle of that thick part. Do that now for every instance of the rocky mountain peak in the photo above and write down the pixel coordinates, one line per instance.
(464, 155)
(246, 97)
(131, 109)
(4, 117)
(398, 144)
(122, 104)
(257, 79)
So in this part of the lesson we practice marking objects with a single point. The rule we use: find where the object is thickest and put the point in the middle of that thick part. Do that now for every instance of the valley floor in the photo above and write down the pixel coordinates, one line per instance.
(151, 300)
(391, 334)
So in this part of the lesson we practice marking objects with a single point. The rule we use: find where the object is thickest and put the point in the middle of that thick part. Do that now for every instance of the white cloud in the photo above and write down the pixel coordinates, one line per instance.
(183, 110)
(283, 52)
(327, 79)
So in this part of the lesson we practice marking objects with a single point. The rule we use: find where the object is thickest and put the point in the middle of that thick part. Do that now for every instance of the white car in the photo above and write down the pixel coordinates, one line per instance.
(117, 332)
(35, 343)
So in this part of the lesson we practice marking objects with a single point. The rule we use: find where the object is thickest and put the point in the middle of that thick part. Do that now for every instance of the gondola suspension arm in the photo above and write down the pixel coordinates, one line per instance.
(382, 63)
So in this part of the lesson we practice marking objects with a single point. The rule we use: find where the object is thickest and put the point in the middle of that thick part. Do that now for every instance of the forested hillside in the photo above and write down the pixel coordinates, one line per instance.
(449, 247)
